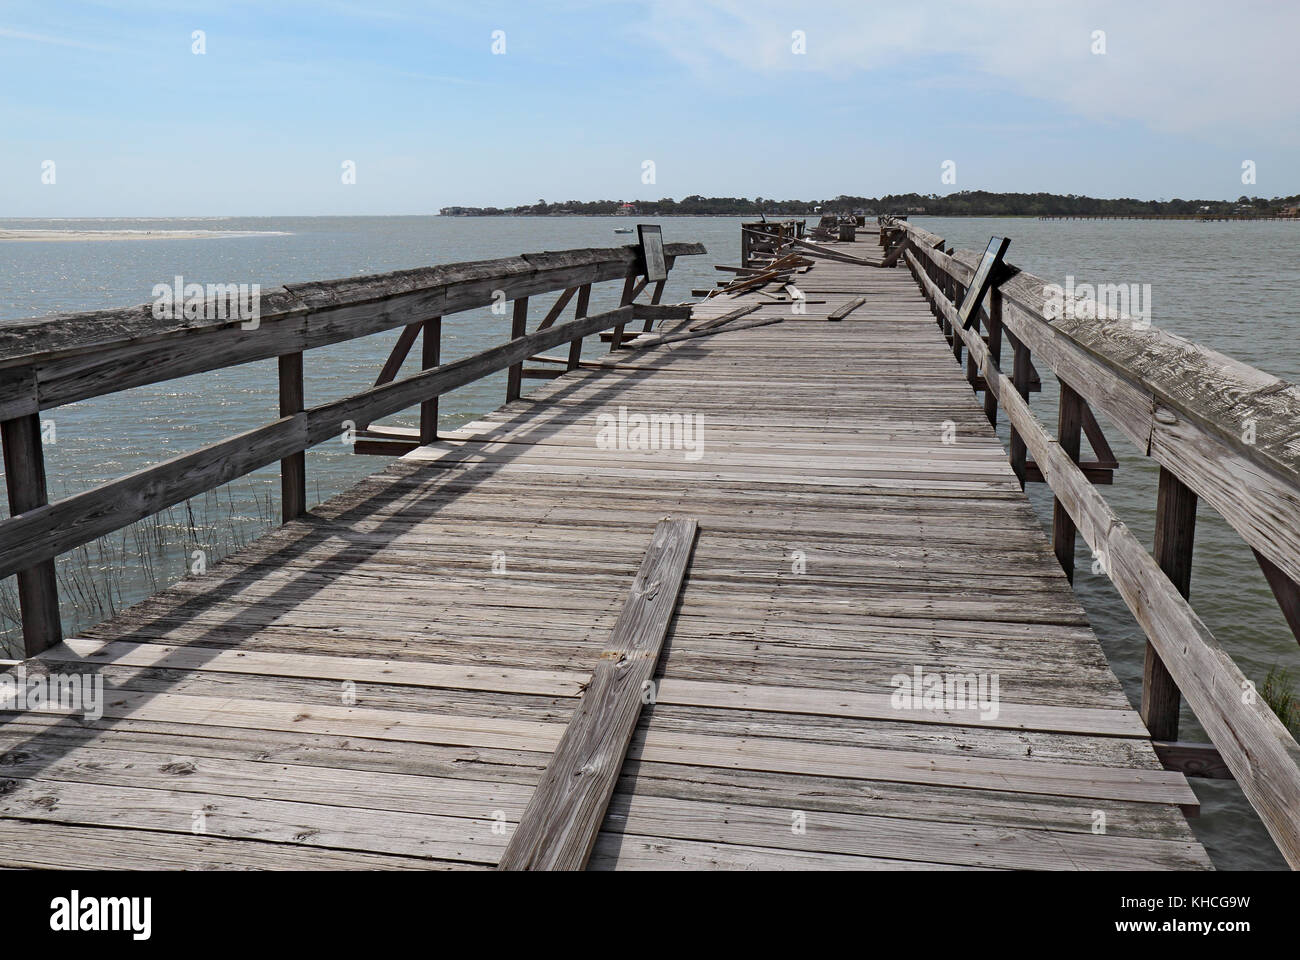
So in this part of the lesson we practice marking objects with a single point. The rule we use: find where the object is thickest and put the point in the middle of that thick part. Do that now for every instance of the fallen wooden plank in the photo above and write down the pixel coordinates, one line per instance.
(725, 318)
(559, 825)
(839, 313)
(691, 334)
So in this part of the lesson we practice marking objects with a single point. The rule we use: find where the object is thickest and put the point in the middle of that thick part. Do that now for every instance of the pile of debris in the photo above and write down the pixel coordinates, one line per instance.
(778, 269)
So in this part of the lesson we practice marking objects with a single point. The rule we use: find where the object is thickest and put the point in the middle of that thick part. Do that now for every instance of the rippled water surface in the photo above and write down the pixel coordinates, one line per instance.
(1230, 286)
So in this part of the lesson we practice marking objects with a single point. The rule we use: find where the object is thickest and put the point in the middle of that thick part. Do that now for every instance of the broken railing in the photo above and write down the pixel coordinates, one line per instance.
(1220, 430)
(57, 360)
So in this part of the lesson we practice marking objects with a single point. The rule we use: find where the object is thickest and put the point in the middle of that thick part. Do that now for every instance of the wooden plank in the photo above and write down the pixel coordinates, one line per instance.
(405, 340)
(430, 357)
(293, 468)
(630, 290)
(1286, 590)
(1175, 536)
(1069, 434)
(840, 312)
(38, 590)
(1192, 759)
(994, 323)
(559, 825)
(557, 308)
(518, 328)
(711, 322)
(580, 311)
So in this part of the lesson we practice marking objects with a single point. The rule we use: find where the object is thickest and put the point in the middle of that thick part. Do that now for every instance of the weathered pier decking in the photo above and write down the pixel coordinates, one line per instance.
(464, 595)
(500, 628)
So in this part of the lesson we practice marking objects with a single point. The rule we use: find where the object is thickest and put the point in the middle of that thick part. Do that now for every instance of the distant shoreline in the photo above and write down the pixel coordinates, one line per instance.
(46, 236)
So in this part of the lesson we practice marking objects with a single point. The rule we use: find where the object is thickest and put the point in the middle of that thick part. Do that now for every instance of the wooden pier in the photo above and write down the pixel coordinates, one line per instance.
(656, 613)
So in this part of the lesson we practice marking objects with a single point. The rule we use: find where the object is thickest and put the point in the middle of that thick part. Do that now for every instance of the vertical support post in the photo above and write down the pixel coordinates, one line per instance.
(945, 288)
(38, 589)
(995, 351)
(293, 468)
(1069, 434)
(518, 327)
(575, 346)
(1175, 533)
(955, 294)
(972, 369)
(629, 286)
(430, 356)
(654, 299)
(1020, 379)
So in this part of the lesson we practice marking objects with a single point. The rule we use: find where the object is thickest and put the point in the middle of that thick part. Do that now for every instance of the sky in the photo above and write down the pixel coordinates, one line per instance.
(493, 103)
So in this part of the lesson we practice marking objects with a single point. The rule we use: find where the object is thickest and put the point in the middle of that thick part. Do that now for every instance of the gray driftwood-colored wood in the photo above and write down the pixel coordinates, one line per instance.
(50, 529)
(559, 826)
(38, 592)
(1263, 756)
(58, 359)
(1226, 429)
(382, 683)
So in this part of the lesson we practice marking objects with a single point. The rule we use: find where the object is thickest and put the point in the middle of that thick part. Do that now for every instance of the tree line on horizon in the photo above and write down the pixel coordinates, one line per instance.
(966, 203)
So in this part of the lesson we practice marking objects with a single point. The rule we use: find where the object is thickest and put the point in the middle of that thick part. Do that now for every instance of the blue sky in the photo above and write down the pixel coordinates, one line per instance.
(712, 91)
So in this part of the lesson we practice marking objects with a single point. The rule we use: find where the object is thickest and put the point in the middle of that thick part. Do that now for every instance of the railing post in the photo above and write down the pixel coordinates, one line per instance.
(995, 351)
(1175, 533)
(654, 299)
(1069, 435)
(518, 327)
(956, 291)
(629, 293)
(580, 311)
(1020, 379)
(430, 356)
(38, 589)
(293, 468)
(972, 368)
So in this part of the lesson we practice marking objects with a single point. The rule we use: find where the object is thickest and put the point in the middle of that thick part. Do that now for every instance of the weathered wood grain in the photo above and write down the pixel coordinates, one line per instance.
(1262, 755)
(559, 826)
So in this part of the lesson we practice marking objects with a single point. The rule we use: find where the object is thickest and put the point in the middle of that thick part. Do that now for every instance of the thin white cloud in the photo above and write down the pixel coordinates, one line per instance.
(1220, 72)
(11, 34)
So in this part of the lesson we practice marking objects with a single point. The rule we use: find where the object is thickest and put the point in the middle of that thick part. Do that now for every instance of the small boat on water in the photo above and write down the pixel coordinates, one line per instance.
(622, 229)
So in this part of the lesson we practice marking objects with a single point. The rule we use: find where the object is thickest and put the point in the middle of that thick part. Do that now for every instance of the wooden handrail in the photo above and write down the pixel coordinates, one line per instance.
(46, 531)
(60, 359)
(1185, 406)
(1255, 745)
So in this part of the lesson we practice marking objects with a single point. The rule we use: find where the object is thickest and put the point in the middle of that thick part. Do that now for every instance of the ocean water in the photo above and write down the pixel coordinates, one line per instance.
(1227, 285)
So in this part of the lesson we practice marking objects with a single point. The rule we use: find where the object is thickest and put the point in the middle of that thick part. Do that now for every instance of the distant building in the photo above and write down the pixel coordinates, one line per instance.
(626, 210)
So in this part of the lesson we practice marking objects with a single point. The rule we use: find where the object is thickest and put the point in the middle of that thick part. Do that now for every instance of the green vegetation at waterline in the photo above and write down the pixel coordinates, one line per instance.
(966, 203)
(1279, 693)
(100, 579)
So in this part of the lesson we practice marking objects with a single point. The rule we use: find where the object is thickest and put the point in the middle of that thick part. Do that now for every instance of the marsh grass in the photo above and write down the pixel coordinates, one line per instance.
(99, 579)
(1279, 693)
